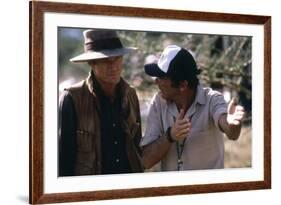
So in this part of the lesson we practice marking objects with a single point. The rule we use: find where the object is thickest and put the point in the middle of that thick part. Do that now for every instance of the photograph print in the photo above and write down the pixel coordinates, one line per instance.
(143, 101)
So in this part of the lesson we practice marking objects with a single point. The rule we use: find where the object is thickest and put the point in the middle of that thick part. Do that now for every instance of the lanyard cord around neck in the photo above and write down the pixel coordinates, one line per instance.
(180, 148)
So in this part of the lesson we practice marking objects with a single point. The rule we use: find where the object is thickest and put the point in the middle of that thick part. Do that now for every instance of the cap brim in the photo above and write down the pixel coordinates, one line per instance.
(153, 70)
(93, 55)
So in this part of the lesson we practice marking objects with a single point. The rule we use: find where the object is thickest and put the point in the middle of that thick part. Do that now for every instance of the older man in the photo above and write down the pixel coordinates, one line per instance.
(99, 129)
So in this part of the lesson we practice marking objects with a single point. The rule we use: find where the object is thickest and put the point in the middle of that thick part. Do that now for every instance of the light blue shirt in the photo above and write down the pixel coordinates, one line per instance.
(204, 147)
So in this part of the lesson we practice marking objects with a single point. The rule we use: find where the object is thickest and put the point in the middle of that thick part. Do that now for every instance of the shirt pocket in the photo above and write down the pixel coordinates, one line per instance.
(204, 150)
(202, 139)
(84, 141)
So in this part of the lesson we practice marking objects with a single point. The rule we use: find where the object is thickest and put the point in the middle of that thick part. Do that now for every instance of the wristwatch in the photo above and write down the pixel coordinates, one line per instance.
(168, 135)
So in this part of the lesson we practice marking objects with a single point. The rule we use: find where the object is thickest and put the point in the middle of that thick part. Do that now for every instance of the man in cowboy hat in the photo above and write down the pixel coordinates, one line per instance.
(99, 126)
(186, 121)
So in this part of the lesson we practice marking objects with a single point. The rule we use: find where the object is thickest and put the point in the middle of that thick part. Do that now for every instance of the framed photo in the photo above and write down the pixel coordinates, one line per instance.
(55, 25)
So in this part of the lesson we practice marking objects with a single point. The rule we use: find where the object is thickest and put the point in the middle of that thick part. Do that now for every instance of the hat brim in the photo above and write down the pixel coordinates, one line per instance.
(93, 55)
(153, 70)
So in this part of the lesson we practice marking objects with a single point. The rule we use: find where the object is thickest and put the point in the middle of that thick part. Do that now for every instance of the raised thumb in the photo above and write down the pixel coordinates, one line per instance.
(234, 101)
(232, 104)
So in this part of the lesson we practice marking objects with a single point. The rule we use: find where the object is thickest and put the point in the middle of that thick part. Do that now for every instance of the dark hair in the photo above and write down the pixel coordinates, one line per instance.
(192, 83)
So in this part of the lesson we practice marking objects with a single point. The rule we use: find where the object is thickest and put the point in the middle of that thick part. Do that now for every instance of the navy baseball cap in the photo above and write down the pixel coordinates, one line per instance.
(175, 62)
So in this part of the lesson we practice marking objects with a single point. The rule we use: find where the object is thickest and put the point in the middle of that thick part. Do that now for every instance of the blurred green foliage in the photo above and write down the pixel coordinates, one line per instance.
(225, 60)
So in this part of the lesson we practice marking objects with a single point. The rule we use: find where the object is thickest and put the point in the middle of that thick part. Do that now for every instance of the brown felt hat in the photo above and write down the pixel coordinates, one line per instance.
(100, 44)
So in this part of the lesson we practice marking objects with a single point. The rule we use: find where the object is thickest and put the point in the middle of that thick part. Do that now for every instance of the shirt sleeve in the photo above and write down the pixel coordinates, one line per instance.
(67, 135)
(218, 107)
(154, 128)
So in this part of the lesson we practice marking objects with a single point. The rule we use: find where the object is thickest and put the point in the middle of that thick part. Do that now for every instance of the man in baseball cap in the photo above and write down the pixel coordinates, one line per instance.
(186, 121)
(99, 126)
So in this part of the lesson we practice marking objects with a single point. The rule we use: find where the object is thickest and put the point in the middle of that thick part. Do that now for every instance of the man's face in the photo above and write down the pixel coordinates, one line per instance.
(167, 90)
(108, 70)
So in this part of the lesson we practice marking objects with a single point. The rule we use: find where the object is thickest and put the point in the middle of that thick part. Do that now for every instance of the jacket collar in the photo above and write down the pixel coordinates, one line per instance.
(122, 89)
(95, 88)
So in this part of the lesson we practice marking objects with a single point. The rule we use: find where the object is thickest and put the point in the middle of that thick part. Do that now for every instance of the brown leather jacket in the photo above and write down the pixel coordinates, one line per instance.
(88, 136)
